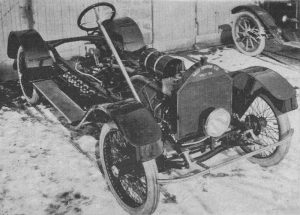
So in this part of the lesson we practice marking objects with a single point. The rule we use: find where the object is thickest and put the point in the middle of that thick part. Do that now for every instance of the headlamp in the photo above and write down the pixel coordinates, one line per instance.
(217, 122)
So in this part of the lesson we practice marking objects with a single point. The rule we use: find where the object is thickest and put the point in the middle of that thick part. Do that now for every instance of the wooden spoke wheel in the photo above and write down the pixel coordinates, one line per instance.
(248, 33)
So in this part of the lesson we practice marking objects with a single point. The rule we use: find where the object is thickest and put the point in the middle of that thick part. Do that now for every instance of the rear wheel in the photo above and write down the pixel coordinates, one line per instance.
(29, 92)
(269, 126)
(248, 33)
(134, 184)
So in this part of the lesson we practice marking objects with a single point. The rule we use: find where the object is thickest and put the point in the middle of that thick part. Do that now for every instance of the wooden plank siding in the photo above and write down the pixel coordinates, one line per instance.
(12, 17)
(173, 24)
(165, 24)
(211, 14)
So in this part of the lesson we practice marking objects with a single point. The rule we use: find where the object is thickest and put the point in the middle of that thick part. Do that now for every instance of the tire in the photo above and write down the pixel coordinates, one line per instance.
(277, 131)
(28, 90)
(243, 38)
(145, 172)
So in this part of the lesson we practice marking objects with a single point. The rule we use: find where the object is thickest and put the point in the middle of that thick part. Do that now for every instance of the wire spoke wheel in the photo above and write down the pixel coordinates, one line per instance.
(269, 127)
(132, 183)
(130, 186)
(248, 34)
(29, 92)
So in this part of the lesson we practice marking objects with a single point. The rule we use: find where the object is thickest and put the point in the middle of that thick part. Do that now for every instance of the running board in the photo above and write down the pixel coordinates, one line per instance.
(293, 44)
(63, 103)
(207, 170)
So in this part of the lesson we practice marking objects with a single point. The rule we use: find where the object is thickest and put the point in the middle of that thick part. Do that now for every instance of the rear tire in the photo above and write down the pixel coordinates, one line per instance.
(140, 194)
(28, 90)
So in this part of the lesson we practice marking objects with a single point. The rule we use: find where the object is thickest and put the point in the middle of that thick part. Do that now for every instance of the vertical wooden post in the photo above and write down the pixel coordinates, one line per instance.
(297, 13)
(28, 11)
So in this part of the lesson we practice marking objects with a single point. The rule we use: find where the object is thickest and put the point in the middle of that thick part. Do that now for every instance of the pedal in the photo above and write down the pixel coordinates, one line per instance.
(63, 103)
(187, 158)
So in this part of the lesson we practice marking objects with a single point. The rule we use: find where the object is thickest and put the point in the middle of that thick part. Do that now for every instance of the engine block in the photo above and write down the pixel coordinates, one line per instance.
(76, 82)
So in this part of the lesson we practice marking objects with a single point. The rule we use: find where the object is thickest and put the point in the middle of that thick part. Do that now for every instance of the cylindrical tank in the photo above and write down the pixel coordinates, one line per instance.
(160, 63)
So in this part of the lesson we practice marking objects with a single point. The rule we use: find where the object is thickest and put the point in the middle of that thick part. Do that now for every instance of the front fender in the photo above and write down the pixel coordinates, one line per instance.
(249, 82)
(138, 127)
(35, 48)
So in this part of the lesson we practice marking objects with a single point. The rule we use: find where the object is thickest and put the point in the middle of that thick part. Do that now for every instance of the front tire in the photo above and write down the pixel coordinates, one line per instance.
(28, 90)
(248, 33)
(135, 186)
(270, 126)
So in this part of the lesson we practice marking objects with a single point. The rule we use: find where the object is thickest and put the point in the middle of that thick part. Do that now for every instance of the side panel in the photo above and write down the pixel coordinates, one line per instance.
(35, 48)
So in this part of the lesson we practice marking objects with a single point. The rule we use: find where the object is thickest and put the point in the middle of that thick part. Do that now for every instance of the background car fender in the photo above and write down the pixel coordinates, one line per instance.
(259, 12)
(35, 48)
(251, 81)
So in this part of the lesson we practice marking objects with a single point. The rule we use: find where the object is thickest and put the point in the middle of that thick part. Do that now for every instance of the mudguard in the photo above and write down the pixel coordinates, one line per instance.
(35, 48)
(251, 81)
(138, 127)
(265, 18)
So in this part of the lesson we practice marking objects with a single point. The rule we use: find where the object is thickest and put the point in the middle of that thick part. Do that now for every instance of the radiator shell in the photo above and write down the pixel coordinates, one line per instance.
(207, 87)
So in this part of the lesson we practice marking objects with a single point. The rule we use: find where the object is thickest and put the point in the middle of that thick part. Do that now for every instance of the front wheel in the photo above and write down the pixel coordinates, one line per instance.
(248, 33)
(133, 184)
(269, 126)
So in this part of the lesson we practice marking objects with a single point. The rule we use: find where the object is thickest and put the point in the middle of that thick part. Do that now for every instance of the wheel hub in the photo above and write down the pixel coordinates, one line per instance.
(257, 124)
(263, 122)
(115, 171)
(246, 33)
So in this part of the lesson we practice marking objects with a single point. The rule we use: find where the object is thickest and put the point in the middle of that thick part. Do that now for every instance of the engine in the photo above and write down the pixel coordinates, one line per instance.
(95, 76)
(198, 99)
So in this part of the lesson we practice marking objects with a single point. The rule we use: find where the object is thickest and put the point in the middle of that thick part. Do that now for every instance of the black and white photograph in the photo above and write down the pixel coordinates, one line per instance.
(163, 107)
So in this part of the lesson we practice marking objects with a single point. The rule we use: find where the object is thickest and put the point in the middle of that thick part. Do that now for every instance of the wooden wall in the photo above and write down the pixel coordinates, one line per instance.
(211, 14)
(12, 17)
(58, 18)
(173, 24)
(165, 24)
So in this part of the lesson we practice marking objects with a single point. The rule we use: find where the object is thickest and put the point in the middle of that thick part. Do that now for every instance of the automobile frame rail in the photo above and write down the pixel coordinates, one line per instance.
(208, 170)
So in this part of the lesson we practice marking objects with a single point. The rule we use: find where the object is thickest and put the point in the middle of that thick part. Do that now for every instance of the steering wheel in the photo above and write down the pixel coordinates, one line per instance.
(81, 24)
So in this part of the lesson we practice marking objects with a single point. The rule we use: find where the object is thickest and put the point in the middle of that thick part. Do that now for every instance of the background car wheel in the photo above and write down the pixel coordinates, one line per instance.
(270, 127)
(28, 90)
(248, 33)
(133, 184)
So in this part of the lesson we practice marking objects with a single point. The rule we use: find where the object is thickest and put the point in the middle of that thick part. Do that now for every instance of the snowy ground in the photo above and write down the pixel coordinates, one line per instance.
(41, 172)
